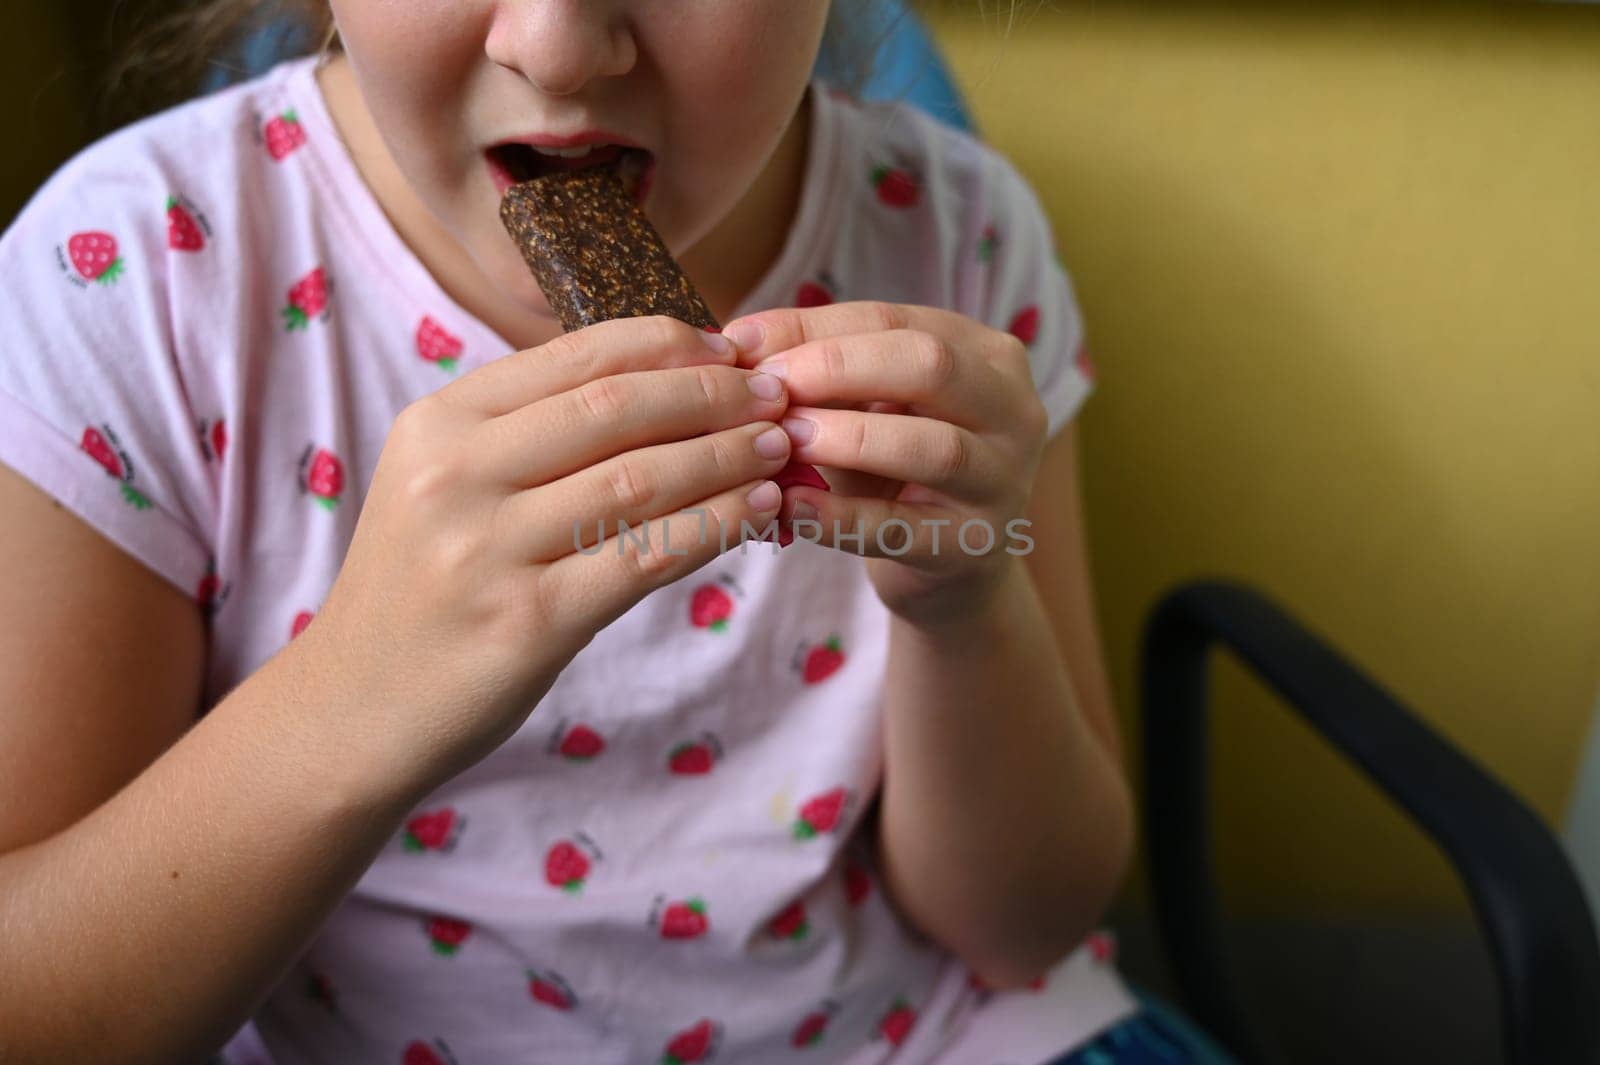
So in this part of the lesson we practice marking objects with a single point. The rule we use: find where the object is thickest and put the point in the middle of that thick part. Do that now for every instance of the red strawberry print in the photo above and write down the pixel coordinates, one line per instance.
(695, 757)
(551, 990)
(94, 256)
(813, 294)
(693, 1044)
(432, 831)
(115, 462)
(581, 743)
(419, 1053)
(895, 185)
(319, 990)
(810, 1031)
(284, 134)
(896, 1024)
(685, 920)
(213, 439)
(301, 620)
(211, 591)
(857, 884)
(437, 345)
(308, 299)
(822, 660)
(447, 934)
(987, 246)
(101, 452)
(1025, 326)
(1103, 946)
(183, 233)
(1036, 984)
(791, 923)
(326, 479)
(710, 607)
(821, 814)
(565, 867)
(1084, 362)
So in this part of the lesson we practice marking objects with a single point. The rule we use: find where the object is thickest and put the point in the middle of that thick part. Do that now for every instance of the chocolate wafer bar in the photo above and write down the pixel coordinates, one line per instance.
(596, 257)
(594, 253)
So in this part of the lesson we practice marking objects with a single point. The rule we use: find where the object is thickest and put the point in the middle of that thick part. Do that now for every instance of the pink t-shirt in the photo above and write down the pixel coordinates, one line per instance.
(210, 327)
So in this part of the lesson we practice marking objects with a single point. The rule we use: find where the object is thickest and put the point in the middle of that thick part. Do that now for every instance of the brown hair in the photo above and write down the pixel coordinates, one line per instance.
(170, 58)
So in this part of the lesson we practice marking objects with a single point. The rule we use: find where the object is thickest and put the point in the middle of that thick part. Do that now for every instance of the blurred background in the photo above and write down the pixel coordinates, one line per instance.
(1338, 264)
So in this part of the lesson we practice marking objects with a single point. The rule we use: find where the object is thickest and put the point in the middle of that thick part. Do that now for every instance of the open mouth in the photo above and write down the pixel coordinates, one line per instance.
(510, 164)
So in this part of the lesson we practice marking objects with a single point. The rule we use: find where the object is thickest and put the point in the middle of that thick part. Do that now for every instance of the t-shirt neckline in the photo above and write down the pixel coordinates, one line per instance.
(390, 259)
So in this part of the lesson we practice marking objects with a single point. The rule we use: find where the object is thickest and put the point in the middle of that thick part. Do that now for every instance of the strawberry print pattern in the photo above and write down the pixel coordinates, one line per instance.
(322, 476)
(580, 743)
(102, 446)
(446, 934)
(433, 830)
(94, 256)
(308, 300)
(694, 1044)
(183, 232)
(820, 661)
(822, 814)
(684, 919)
(568, 863)
(549, 989)
(436, 345)
(284, 135)
(436, 1052)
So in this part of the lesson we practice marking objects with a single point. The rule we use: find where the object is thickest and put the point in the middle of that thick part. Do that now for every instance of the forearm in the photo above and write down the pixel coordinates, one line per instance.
(1005, 826)
(153, 928)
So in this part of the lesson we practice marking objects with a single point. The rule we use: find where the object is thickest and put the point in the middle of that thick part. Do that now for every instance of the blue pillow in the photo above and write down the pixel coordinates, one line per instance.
(908, 65)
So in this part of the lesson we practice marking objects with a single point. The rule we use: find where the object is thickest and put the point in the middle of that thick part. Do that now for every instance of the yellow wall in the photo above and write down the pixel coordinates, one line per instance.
(1340, 266)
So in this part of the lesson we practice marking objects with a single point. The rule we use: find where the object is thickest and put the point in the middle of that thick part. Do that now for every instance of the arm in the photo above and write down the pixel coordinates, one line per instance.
(1006, 821)
(155, 883)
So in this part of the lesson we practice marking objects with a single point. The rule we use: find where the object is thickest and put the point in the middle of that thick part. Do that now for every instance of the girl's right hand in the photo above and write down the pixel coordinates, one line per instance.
(463, 594)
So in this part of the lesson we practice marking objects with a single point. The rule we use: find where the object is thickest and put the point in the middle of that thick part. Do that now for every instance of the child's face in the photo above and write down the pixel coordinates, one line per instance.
(708, 87)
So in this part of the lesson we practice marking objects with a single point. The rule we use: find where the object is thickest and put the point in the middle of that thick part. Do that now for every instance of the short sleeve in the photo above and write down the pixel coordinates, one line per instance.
(93, 407)
(1022, 287)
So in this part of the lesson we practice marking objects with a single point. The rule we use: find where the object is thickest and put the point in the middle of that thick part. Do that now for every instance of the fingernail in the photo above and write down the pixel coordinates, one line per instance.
(765, 496)
(777, 366)
(803, 511)
(765, 385)
(801, 430)
(747, 335)
(772, 444)
(716, 342)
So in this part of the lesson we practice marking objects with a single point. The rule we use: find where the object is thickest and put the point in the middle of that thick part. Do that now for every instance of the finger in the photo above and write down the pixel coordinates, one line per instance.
(643, 343)
(637, 487)
(911, 369)
(621, 569)
(926, 535)
(608, 416)
(947, 458)
(779, 329)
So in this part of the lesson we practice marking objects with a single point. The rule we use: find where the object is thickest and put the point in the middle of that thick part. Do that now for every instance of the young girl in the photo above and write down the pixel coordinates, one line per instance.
(476, 777)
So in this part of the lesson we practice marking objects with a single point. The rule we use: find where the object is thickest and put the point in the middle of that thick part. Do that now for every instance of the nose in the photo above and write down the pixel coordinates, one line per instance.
(562, 45)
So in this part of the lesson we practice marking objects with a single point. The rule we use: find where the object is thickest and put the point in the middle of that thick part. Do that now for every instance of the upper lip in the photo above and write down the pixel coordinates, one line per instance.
(571, 140)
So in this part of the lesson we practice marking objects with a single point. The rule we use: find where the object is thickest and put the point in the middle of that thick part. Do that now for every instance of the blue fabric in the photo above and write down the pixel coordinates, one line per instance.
(908, 65)
(1156, 1035)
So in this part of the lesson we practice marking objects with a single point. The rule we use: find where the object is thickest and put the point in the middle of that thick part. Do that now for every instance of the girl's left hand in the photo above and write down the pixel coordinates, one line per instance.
(925, 422)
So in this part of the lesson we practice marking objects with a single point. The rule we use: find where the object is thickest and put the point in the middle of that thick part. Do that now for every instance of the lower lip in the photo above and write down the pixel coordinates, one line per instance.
(503, 180)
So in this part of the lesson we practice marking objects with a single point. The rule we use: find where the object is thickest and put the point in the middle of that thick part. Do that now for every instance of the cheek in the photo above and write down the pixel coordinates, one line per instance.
(415, 62)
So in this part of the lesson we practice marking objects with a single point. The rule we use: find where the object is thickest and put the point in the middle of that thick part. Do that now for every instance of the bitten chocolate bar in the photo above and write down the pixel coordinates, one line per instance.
(594, 253)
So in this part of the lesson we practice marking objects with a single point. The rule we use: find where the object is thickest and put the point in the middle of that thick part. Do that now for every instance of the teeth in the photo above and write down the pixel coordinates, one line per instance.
(566, 153)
